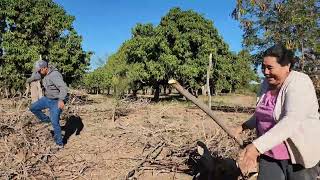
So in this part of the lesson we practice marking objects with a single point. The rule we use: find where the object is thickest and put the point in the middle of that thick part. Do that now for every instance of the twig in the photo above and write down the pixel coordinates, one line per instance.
(131, 173)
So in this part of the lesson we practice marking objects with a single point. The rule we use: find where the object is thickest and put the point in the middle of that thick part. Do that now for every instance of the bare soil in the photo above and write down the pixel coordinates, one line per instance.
(156, 136)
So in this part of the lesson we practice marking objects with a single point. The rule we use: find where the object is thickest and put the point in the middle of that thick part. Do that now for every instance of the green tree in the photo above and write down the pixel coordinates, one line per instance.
(143, 54)
(67, 54)
(242, 69)
(115, 75)
(294, 23)
(190, 39)
(32, 28)
(118, 69)
(177, 48)
(97, 81)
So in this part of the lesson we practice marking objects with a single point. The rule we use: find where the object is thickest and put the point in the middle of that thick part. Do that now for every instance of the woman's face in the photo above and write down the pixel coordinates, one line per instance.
(274, 72)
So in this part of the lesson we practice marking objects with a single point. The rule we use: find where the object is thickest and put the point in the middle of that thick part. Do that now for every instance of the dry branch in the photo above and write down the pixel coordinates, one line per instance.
(136, 168)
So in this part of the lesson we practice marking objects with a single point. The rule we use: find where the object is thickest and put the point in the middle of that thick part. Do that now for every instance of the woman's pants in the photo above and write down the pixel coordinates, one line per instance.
(272, 169)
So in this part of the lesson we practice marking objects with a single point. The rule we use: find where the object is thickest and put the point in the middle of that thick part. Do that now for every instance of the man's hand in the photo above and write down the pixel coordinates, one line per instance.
(60, 104)
(248, 159)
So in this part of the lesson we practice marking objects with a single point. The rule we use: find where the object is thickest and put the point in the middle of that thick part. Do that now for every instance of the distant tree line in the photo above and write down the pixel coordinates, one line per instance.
(178, 48)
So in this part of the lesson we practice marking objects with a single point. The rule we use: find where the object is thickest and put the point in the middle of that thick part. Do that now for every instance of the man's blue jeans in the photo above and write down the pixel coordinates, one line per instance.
(44, 103)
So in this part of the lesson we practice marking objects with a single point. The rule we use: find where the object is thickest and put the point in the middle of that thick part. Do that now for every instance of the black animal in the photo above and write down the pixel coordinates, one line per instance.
(207, 167)
(73, 125)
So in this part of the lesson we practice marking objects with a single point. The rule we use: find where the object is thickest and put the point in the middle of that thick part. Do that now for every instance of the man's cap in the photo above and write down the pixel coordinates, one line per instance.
(40, 64)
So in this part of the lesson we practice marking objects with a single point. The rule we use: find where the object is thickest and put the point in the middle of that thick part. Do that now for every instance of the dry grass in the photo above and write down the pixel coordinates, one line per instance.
(155, 140)
(232, 100)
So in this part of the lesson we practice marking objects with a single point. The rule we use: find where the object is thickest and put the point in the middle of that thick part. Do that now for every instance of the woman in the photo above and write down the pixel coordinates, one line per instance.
(287, 122)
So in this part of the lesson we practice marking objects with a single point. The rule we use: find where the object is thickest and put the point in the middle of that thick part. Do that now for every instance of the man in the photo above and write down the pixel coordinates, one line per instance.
(55, 93)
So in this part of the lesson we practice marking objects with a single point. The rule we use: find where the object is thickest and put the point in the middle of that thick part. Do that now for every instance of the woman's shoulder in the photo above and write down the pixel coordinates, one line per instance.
(296, 75)
(299, 79)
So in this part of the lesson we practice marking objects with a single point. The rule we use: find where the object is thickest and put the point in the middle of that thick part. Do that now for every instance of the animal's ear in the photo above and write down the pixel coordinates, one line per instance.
(201, 144)
(200, 150)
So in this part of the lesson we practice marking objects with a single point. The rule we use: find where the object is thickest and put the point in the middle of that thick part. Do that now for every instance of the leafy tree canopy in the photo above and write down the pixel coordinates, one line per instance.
(294, 23)
(32, 28)
(179, 48)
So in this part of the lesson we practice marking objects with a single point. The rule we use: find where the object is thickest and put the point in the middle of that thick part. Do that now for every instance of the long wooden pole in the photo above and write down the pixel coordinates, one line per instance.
(208, 80)
(204, 108)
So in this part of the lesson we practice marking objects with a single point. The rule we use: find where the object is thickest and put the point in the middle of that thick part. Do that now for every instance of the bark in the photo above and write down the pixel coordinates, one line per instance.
(156, 96)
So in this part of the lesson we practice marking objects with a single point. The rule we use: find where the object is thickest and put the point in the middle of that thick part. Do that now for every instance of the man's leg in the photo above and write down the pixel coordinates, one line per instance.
(55, 117)
(37, 107)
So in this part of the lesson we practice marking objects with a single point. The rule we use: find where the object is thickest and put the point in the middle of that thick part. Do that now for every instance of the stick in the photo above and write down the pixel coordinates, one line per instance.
(208, 80)
(131, 173)
(204, 108)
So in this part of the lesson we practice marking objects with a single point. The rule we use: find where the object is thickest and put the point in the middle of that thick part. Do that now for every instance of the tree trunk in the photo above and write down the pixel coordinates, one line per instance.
(134, 93)
(6, 92)
(165, 89)
(156, 96)
(114, 92)
(203, 90)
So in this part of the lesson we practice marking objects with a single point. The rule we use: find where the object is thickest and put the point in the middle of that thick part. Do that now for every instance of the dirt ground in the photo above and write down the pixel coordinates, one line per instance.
(153, 139)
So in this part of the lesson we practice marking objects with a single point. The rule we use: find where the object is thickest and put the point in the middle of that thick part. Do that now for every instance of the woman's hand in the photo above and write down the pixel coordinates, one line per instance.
(247, 160)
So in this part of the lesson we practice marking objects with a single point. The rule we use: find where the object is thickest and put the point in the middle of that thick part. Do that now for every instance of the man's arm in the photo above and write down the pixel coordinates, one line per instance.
(57, 80)
(61, 85)
(34, 77)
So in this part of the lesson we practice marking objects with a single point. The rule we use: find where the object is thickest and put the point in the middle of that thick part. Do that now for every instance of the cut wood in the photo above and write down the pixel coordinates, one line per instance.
(36, 91)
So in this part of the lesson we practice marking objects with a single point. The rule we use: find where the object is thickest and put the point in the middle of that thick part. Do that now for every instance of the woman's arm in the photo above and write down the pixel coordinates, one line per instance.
(300, 99)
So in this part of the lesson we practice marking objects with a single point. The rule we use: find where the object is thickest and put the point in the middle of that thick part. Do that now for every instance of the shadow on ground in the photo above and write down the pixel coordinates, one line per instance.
(73, 125)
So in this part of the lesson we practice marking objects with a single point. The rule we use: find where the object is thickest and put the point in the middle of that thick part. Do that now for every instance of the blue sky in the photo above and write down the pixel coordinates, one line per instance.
(105, 24)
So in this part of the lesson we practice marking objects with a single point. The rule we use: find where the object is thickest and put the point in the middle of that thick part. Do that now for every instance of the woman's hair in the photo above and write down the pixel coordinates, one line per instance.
(284, 56)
